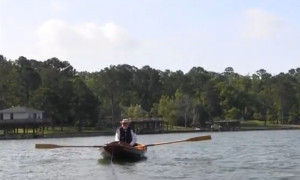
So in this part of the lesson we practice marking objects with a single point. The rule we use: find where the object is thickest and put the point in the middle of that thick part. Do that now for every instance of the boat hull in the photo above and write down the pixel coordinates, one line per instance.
(119, 150)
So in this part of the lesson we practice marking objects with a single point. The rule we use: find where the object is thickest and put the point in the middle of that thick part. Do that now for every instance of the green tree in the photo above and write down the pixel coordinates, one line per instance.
(30, 79)
(148, 87)
(85, 105)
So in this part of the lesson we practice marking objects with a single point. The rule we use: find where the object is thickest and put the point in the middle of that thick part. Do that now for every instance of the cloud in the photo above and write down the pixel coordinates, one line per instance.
(85, 44)
(58, 6)
(90, 47)
(260, 25)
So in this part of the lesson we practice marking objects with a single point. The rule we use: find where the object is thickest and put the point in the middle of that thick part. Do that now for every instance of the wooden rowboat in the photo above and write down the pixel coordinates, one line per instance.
(119, 150)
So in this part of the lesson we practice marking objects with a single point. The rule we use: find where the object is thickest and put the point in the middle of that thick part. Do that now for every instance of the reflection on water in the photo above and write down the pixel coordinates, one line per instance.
(229, 155)
(123, 161)
(104, 161)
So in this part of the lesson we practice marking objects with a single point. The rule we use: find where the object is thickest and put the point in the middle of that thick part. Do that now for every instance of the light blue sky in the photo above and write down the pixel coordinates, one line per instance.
(247, 35)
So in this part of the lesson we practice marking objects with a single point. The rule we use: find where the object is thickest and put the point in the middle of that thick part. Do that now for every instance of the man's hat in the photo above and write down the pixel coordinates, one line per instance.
(125, 121)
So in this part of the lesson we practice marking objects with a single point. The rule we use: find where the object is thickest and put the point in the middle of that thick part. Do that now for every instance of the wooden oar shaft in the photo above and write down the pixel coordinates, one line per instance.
(199, 138)
(52, 146)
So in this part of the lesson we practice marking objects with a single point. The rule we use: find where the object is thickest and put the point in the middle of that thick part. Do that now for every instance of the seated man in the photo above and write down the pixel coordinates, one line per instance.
(125, 133)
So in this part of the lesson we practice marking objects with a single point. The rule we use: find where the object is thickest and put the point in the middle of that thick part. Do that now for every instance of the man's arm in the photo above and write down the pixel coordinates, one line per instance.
(134, 139)
(117, 136)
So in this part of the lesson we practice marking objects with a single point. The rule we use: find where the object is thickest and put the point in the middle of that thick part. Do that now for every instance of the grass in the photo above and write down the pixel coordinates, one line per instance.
(66, 130)
(256, 124)
(179, 128)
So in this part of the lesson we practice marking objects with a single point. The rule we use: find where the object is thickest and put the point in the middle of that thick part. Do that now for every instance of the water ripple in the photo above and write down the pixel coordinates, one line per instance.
(230, 155)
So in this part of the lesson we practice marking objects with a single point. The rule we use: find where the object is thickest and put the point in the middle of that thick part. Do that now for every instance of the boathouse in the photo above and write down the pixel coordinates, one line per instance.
(18, 122)
(147, 125)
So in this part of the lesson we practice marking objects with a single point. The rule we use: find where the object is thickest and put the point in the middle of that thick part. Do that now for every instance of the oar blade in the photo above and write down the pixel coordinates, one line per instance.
(46, 146)
(200, 138)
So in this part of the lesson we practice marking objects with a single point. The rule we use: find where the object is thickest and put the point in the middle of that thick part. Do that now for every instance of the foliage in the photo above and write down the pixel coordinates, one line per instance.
(79, 99)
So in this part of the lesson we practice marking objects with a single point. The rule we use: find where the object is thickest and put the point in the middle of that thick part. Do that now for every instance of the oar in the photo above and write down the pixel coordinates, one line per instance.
(52, 146)
(199, 138)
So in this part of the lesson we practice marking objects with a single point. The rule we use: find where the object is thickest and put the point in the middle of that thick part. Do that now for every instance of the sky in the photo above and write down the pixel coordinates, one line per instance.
(246, 35)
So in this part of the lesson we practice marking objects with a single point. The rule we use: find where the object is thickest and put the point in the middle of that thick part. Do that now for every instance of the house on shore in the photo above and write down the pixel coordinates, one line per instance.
(21, 121)
(223, 125)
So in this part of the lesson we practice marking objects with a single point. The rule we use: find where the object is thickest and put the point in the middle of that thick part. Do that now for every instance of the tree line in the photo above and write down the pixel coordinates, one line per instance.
(79, 99)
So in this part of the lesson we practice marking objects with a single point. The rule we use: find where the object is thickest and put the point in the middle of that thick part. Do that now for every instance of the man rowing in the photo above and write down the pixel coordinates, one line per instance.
(125, 133)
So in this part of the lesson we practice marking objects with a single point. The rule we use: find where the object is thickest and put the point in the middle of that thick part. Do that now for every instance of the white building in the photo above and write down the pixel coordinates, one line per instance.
(15, 118)
(21, 114)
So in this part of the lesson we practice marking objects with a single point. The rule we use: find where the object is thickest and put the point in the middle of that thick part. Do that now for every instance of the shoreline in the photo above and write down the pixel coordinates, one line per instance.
(111, 133)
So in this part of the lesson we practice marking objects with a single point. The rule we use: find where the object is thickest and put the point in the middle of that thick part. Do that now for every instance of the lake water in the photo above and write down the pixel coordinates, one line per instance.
(229, 155)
